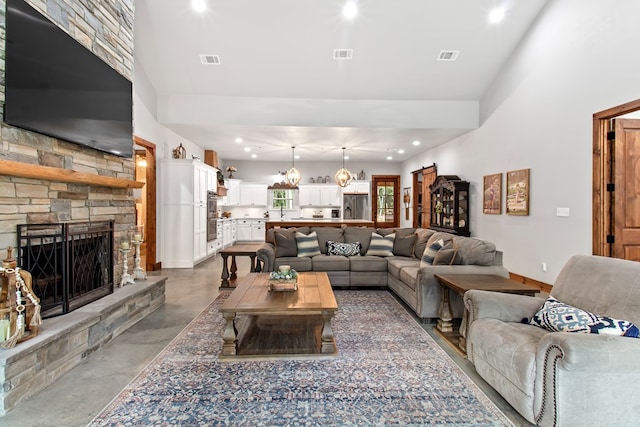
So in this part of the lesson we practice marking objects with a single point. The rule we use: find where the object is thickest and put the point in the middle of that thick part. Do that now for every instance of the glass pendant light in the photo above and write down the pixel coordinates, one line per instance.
(343, 176)
(293, 176)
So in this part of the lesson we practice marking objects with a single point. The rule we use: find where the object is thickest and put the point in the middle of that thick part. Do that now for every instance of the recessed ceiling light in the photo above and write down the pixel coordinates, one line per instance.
(496, 15)
(296, 157)
(199, 5)
(247, 149)
(239, 140)
(350, 10)
(401, 151)
(416, 142)
(346, 157)
(389, 157)
(253, 156)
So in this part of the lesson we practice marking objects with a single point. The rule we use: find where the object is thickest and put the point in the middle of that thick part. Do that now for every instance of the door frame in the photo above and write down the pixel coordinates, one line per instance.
(602, 175)
(150, 194)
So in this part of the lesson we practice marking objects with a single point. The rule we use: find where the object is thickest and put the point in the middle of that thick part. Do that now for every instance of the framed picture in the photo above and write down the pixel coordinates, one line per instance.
(518, 192)
(492, 194)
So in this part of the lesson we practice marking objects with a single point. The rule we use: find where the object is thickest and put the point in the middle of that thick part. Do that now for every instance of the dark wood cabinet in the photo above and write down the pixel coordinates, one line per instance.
(449, 205)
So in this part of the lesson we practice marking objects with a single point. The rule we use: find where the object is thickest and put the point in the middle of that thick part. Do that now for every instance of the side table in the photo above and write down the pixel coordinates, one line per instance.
(239, 249)
(461, 283)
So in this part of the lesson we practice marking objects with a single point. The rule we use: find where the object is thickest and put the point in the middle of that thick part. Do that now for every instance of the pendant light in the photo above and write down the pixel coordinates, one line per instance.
(343, 176)
(293, 176)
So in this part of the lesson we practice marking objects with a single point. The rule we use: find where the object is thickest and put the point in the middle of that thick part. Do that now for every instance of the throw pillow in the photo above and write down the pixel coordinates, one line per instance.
(307, 244)
(447, 255)
(556, 316)
(403, 245)
(381, 246)
(430, 253)
(285, 243)
(344, 249)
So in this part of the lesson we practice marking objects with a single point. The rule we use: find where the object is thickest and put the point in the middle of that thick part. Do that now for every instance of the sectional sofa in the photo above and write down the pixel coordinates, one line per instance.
(356, 257)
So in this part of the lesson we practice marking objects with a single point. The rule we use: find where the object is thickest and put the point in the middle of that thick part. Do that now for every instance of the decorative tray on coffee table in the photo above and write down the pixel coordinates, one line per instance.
(283, 280)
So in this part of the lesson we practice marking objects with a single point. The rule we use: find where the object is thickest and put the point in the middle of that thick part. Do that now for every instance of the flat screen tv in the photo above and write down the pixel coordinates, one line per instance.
(57, 87)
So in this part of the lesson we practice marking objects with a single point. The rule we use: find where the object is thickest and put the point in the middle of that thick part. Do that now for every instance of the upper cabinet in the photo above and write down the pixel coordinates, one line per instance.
(449, 205)
(253, 194)
(233, 193)
(320, 195)
(358, 187)
(185, 181)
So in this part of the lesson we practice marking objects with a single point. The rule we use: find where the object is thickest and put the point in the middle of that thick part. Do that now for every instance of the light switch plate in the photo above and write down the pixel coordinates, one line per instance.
(562, 211)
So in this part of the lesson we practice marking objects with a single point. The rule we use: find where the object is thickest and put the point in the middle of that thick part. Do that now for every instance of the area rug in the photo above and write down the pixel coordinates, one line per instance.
(389, 371)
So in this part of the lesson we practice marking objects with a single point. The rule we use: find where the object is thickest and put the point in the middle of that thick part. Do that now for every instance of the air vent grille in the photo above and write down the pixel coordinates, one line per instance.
(448, 55)
(342, 53)
(210, 59)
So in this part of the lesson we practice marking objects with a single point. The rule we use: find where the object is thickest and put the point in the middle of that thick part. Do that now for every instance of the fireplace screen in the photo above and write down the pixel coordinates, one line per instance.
(71, 263)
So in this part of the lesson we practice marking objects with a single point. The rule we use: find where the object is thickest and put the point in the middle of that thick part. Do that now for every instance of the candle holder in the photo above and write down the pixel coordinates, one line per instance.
(126, 277)
(138, 271)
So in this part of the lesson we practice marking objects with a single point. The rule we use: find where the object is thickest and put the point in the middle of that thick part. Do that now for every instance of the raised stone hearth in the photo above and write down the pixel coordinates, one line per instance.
(64, 341)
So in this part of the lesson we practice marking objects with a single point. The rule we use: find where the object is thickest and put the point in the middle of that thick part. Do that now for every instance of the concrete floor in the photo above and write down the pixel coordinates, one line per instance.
(82, 393)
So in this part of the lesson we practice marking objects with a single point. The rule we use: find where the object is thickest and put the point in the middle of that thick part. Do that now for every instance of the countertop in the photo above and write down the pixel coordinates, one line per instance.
(318, 222)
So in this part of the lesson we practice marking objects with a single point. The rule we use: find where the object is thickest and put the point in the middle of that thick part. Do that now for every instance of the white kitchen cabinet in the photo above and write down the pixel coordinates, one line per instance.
(184, 212)
(320, 195)
(233, 192)
(253, 194)
(226, 233)
(244, 230)
(257, 230)
(357, 187)
(234, 231)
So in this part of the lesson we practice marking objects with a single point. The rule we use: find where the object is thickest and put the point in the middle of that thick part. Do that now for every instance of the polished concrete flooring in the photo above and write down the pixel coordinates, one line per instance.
(82, 393)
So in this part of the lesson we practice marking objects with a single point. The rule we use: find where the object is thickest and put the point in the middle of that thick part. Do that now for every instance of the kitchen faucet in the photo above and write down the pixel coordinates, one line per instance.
(281, 212)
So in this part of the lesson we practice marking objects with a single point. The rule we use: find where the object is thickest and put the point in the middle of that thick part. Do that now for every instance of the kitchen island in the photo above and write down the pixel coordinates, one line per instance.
(317, 222)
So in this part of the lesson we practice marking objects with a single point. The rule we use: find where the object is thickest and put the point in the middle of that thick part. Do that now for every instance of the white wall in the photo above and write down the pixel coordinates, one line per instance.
(580, 58)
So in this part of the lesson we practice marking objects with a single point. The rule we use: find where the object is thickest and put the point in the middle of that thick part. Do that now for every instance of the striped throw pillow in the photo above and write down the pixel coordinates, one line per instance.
(307, 244)
(381, 246)
(430, 253)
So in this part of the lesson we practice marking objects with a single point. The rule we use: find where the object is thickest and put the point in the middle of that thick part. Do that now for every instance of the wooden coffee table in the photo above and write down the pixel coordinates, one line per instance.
(263, 323)
(461, 283)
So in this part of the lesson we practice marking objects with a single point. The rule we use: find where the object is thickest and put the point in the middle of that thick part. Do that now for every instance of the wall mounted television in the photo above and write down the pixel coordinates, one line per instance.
(57, 87)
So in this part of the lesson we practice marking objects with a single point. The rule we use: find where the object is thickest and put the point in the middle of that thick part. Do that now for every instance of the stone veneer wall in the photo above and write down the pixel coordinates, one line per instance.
(105, 28)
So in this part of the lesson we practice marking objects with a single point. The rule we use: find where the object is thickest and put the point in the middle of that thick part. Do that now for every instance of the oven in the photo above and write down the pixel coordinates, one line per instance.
(212, 221)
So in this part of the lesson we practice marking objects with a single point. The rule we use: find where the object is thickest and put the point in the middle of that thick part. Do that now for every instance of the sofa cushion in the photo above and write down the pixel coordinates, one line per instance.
(430, 253)
(422, 237)
(297, 263)
(447, 255)
(409, 276)
(359, 234)
(344, 249)
(271, 238)
(285, 243)
(403, 245)
(307, 244)
(395, 264)
(368, 263)
(440, 235)
(556, 316)
(328, 233)
(475, 251)
(330, 263)
(381, 246)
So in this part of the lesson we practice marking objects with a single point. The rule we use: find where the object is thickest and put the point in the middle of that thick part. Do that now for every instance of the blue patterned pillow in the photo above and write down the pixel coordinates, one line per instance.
(556, 316)
(381, 246)
(307, 244)
(430, 253)
(344, 249)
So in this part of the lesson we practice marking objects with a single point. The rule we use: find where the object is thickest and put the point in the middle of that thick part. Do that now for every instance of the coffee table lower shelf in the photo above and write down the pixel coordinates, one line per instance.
(453, 337)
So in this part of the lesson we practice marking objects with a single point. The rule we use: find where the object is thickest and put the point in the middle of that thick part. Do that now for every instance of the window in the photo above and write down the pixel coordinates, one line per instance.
(283, 199)
(386, 191)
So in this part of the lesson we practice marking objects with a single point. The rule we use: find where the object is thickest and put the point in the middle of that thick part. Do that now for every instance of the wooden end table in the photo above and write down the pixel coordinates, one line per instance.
(461, 283)
(239, 249)
(263, 323)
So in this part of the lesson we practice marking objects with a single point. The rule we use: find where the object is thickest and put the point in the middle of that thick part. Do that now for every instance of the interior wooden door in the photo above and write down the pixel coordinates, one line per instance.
(626, 190)
(150, 203)
(429, 175)
(386, 200)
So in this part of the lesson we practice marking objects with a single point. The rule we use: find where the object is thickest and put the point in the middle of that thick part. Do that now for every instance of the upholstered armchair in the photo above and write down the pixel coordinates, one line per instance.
(562, 378)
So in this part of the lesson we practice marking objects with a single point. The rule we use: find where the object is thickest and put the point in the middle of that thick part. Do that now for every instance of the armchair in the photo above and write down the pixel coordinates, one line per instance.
(562, 378)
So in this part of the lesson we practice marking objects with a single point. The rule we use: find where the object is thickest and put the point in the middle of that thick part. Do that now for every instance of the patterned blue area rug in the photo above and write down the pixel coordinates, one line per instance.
(389, 372)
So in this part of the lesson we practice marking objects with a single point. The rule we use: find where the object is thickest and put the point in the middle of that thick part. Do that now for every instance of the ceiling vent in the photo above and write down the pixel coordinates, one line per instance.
(342, 53)
(210, 59)
(448, 55)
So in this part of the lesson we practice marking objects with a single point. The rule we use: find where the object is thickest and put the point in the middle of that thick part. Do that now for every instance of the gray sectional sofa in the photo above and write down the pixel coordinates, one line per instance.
(400, 271)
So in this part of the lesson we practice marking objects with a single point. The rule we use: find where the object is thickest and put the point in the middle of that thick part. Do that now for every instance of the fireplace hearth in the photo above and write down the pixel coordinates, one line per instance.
(71, 263)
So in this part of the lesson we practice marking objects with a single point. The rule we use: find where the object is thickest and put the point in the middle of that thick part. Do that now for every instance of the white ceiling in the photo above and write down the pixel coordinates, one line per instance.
(278, 85)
